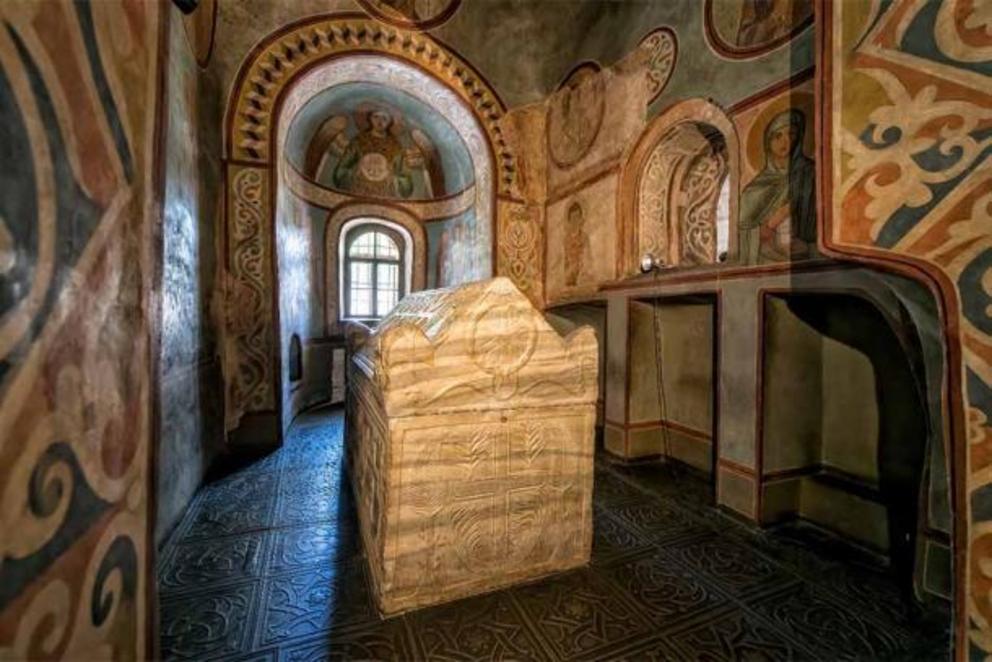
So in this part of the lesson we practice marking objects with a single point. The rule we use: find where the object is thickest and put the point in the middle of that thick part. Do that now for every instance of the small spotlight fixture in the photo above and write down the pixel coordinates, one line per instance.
(649, 263)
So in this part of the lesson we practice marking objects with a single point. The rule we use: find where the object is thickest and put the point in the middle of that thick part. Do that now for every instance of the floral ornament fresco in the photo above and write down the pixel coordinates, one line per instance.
(662, 50)
(906, 88)
(79, 103)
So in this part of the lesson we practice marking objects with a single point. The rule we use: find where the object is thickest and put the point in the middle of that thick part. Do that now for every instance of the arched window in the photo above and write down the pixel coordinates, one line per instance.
(723, 220)
(374, 268)
(295, 359)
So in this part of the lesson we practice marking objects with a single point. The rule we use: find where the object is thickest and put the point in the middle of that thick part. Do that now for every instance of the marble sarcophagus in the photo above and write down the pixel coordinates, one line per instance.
(470, 435)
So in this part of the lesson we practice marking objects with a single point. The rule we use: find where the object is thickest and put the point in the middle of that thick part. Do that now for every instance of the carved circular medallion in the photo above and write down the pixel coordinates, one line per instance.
(662, 49)
(575, 114)
(503, 340)
(422, 14)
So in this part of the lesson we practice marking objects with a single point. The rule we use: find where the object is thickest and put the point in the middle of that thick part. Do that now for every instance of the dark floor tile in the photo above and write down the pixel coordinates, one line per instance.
(660, 519)
(670, 479)
(613, 538)
(313, 601)
(665, 592)
(736, 635)
(609, 489)
(313, 496)
(729, 563)
(214, 518)
(208, 624)
(486, 627)
(832, 630)
(651, 649)
(385, 641)
(195, 564)
(242, 485)
(578, 614)
(268, 655)
(305, 546)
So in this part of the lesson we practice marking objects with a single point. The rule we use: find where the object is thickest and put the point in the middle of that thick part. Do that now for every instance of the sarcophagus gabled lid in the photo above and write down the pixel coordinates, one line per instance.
(482, 345)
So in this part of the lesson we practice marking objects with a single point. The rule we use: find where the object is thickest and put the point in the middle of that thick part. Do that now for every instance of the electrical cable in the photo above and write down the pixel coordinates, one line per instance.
(659, 374)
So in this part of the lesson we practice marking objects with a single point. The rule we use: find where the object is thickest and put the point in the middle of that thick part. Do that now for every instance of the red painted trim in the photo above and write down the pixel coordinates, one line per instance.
(736, 468)
(772, 91)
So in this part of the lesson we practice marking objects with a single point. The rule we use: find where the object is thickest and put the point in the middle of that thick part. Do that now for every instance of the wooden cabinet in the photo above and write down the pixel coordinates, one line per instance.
(470, 436)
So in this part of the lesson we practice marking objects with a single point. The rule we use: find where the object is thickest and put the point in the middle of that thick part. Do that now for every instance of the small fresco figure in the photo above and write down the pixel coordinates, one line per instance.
(576, 245)
(778, 206)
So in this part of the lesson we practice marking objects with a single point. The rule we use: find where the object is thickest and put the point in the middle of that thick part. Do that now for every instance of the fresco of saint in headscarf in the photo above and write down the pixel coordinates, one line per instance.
(778, 207)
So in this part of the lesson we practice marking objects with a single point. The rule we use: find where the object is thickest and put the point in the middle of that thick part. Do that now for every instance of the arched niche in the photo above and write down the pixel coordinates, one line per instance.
(280, 74)
(337, 223)
(681, 175)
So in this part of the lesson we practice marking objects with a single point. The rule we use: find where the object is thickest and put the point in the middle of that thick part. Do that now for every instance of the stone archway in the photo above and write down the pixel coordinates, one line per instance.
(290, 61)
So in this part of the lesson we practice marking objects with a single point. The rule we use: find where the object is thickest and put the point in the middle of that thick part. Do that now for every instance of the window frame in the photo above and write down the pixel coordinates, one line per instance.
(352, 235)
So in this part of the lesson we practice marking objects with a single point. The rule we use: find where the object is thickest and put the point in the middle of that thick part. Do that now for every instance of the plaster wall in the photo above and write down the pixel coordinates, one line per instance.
(190, 434)
(792, 395)
(850, 414)
(298, 241)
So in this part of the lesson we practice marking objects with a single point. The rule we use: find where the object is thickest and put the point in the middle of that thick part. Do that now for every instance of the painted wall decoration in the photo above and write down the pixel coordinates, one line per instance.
(575, 113)
(79, 92)
(420, 14)
(376, 152)
(777, 220)
(374, 141)
(521, 238)
(581, 239)
(750, 28)
(906, 93)
(662, 50)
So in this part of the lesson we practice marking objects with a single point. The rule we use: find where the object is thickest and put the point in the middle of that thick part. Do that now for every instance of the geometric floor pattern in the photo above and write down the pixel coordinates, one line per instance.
(266, 565)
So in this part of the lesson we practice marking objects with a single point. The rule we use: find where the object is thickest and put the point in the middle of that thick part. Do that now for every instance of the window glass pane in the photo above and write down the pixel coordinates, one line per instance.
(363, 245)
(361, 302)
(386, 247)
(361, 274)
(388, 287)
(723, 218)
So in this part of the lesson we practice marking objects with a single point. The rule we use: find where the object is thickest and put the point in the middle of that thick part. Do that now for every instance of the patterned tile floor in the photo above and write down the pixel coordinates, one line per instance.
(266, 566)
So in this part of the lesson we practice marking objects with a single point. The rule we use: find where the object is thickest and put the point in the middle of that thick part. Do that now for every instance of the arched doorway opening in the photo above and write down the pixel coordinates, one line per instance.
(272, 199)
